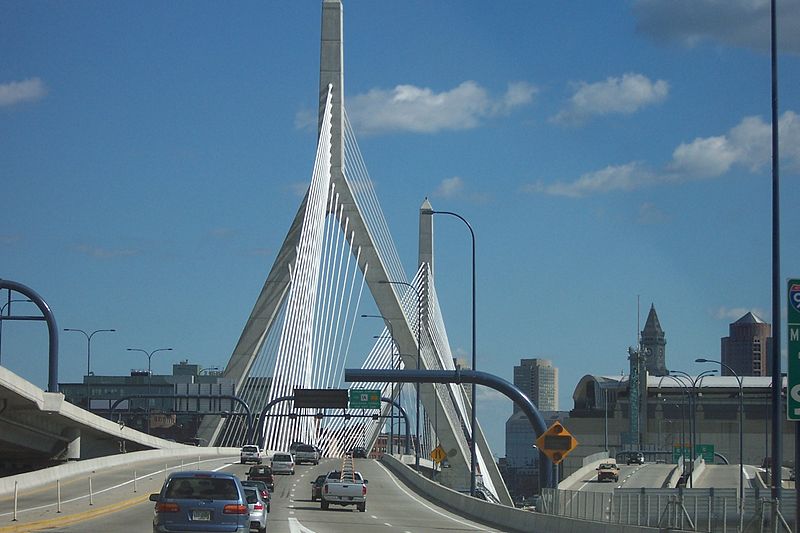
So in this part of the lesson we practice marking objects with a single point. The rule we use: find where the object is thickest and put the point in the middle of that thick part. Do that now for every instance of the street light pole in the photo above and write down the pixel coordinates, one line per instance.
(419, 347)
(473, 418)
(684, 390)
(149, 374)
(391, 405)
(741, 433)
(89, 359)
(2, 310)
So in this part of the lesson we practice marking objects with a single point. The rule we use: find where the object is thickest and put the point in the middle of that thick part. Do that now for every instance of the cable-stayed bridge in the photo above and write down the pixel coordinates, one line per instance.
(338, 253)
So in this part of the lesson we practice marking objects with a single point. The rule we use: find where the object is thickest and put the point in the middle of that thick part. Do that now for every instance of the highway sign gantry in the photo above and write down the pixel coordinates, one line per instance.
(556, 443)
(793, 350)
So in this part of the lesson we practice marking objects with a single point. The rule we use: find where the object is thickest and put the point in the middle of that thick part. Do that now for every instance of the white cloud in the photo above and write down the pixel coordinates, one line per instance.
(621, 177)
(449, 187)
(105, 253)
(421, 110)
(703, 158)
(748, 145)
(488, 394)
(735, 313)
(624, 95)
(744, 23)
(649, 213)
(15, 92)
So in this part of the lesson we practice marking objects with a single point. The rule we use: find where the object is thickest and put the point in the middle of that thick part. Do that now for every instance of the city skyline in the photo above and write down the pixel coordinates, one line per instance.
(602, 153)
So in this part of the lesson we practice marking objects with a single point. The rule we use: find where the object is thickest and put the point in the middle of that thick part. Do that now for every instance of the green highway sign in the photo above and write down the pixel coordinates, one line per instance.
(705, 450)
(793, 368)
(365, 399)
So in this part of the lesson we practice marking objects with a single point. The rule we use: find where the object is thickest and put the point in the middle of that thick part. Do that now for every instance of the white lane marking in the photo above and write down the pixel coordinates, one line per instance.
(296, 527)
(374, 517)
(413, 497)
(94, 493)
(387, 524)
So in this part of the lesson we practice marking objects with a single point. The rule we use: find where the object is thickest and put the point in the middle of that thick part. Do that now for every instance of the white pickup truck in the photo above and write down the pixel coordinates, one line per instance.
(305, 453)
(344, 487)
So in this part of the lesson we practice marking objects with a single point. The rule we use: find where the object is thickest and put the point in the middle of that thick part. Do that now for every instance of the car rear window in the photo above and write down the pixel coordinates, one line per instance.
(305, 448)
(202, 488)
(282, 457)
(250, 449)
(251, 494)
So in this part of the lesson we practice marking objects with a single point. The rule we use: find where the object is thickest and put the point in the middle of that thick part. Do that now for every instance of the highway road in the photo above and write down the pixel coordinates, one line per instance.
(648, 475)
(390, 507)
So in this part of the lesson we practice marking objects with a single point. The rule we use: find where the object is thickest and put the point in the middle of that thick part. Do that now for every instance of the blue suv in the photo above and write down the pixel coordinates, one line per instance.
(211, 502)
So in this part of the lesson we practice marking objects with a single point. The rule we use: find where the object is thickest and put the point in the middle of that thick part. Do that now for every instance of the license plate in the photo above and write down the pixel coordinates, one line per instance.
(201, 515)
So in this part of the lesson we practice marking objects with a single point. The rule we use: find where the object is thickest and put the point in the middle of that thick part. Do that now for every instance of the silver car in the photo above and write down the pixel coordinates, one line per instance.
(282, 463)
(258, 509)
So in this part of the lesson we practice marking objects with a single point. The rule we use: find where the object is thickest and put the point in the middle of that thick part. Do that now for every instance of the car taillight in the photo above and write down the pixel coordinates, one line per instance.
(258, 507)
(265, 494)
(167, 507)
(363, 490)
(325, 489)
(232, 508)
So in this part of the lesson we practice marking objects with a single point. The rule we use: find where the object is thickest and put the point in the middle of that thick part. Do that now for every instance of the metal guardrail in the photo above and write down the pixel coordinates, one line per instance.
(703, 510)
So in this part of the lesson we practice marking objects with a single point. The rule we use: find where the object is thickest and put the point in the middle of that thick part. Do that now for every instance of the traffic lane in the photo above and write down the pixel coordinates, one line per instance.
(123, 516)
(648, 475)
(390, 505)
(107, 486)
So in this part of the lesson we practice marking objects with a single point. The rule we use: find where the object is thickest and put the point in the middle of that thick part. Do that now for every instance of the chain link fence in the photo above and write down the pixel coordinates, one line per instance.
(704, 510)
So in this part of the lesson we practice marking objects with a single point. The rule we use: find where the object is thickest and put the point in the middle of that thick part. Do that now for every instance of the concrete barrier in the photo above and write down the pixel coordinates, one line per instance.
(675, 476)
(38, 478)
(698, 469)
(499, 516)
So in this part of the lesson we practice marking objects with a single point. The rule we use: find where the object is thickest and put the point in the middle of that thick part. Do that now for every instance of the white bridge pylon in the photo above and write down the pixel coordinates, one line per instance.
(300, 331)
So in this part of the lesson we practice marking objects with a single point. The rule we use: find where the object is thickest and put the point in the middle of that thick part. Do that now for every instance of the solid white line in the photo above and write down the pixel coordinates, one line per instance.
(413, 497)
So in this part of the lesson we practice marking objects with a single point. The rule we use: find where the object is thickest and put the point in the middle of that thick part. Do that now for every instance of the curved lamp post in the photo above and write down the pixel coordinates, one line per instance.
(473, 420)
(3, 310)
(684, 390)
(149, 374)
(419, 348)
(741, 412)
(391, 407)
(89, 359)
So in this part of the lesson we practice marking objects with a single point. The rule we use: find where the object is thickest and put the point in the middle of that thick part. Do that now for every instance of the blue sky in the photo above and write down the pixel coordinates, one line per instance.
(152, 156)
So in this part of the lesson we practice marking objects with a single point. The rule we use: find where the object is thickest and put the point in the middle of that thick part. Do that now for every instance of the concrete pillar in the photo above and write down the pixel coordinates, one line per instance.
(73, 451)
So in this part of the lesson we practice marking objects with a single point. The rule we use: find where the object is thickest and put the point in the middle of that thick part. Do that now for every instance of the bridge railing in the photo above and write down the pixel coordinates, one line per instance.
(705, 510)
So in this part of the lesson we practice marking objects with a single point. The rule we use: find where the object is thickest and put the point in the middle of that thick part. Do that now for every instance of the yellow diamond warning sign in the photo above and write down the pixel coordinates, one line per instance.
(438, 454)
(556, 442)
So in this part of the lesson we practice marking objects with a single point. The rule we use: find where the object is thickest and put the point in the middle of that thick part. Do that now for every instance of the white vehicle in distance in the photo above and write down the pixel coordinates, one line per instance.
(251, 454)
(305, 453)
(282, 463)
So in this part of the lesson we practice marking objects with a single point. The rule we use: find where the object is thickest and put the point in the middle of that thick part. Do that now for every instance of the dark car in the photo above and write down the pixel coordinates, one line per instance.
(262, 473)
(359, 452)
(263, 489)
(635, 458)
(316, 487)
(201, 501)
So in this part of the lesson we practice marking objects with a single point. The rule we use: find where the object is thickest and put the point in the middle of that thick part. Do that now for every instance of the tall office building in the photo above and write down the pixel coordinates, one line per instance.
(747, 348)
(538, 379)
(654, 343)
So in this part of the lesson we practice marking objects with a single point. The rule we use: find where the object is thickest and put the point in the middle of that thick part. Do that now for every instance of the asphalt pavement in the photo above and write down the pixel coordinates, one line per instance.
(390, 505)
